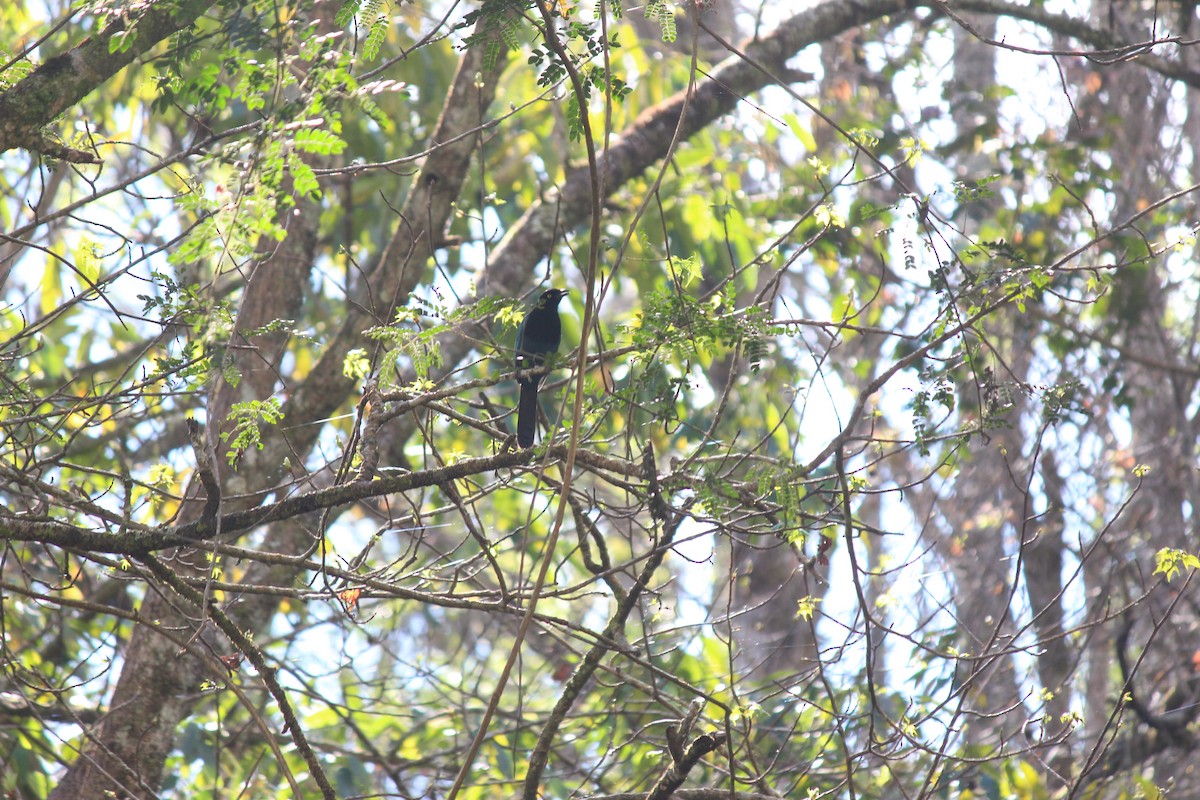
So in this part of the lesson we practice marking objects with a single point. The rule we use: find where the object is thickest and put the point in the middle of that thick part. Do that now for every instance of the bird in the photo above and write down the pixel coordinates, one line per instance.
(537, 337)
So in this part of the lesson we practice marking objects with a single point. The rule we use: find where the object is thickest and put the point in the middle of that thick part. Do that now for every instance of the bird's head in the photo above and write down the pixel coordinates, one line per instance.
(550, 298)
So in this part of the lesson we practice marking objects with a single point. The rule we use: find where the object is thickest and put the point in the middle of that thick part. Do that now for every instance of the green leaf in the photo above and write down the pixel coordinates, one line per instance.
(658, 9)
(379, 29)
(304, 179)
(801, 131)
(357, 364)
(1168, 561)
(319, 142)
(346, 13)
(246, 418)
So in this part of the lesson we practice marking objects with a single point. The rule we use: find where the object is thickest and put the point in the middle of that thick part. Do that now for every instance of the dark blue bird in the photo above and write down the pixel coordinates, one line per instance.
(537, 337)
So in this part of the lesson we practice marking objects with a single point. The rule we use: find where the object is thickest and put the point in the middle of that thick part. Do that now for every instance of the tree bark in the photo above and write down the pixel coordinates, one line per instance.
(62, 81)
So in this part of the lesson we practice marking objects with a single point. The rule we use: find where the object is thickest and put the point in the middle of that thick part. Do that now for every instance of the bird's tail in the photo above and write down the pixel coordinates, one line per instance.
(527, 414)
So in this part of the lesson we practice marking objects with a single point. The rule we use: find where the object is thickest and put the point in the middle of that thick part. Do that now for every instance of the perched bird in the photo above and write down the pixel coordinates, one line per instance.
(537, 337)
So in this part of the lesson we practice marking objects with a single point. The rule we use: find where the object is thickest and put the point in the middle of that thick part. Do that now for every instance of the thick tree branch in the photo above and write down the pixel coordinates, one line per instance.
(1108, 49)
(649, 137)
(512, 264)
(60, 83)
(684, 757)
(17, 529)
(402, 265)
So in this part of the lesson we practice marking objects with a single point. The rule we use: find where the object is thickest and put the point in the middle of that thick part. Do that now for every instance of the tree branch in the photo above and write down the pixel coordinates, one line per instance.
(61, 82)
(247, 648)
(540, 755)
(684, 758)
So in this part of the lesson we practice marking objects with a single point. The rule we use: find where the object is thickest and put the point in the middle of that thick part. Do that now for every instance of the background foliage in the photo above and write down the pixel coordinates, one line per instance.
(868, 470)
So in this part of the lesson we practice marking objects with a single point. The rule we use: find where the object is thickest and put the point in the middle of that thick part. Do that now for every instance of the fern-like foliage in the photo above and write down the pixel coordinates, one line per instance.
(660, 10)
(498, 24)
(373, 11)
(614, 6)
(347, 12)
(375, 37)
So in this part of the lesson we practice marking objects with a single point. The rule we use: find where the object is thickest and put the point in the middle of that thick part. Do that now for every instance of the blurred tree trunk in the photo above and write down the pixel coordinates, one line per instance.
(161, 674)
